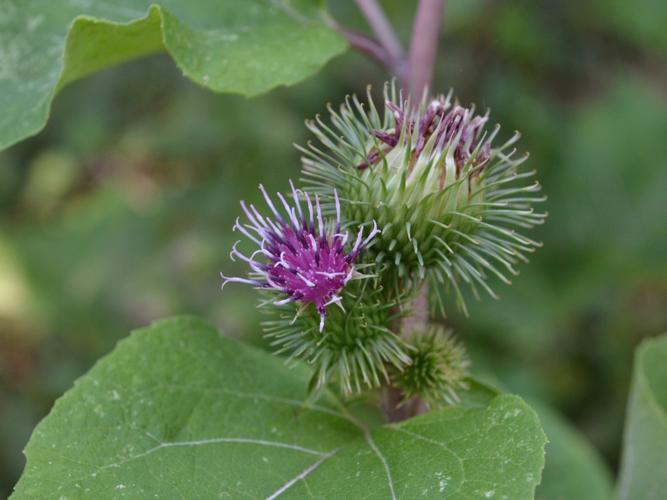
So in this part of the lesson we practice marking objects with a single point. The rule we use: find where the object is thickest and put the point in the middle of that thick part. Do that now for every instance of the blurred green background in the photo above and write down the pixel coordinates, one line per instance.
(120, 212)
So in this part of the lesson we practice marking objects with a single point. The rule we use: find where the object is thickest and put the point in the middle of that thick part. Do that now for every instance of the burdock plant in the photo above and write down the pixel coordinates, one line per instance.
(429, 199)
(408, 200)
(409, 203)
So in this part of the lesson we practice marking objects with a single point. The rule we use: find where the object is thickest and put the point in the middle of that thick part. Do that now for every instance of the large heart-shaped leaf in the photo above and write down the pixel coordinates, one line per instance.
(240, 46)
(644, 462)
(178, 410)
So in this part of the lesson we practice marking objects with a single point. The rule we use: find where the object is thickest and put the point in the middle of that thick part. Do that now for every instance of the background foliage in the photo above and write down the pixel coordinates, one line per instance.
(120, 211)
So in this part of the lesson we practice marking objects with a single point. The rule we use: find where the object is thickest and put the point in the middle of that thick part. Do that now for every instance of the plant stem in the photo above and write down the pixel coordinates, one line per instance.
(382, 28)
(395, 410)
(423, 51)
(367, 46)
(394, 407)
(416, 78)
(418, 320)
(423, 46)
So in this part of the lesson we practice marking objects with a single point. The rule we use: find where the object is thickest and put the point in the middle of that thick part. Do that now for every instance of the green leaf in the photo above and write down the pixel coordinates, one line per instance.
(644, 462)
(178, 410)
(573, 468)
(240, 46)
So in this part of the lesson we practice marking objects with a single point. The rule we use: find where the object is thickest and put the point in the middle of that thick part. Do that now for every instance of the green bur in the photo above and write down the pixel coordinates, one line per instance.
(450, 205)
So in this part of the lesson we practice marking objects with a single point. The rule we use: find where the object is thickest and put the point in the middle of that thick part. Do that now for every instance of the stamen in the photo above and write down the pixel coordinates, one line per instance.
(310, 208)
(232, 279)
(337, 202)
(290, 211)
(283, 301)
(269, 202)
(255, 218)
(297, 203)
(306, 280)
(244, 231)
(329, 275)
(372, 235)
(319, 215)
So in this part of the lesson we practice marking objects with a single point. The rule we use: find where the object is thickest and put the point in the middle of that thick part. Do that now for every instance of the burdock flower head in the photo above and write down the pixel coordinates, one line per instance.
(449, 203)
(298, 256)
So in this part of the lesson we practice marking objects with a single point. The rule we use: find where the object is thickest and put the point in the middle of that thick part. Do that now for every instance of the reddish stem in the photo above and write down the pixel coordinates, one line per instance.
(423, 46)
(381, 27)
(366, 46)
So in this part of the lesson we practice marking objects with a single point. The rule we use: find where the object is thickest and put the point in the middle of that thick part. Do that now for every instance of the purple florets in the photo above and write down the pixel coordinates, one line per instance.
(301, 259)
(454, 127)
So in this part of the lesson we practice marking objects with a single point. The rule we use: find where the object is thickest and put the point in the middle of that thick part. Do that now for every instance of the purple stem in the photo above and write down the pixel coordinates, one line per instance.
(367, 46)
(382, 28)
(423, 46)
(419, 317)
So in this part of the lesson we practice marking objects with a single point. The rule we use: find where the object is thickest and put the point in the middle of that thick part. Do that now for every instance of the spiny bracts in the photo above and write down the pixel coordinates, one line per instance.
(449, 204)
(437, 371)
(357, 346)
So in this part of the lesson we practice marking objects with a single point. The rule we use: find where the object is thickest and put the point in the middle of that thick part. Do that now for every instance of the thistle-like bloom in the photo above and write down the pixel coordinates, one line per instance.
(450, 204)
(300, 259)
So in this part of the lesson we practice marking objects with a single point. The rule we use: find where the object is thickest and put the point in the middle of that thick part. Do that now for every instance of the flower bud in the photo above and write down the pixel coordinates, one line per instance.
(437, 371)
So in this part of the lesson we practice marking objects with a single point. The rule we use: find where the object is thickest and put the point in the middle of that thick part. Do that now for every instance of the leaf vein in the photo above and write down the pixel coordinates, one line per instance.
(302, 475)
(201, 442)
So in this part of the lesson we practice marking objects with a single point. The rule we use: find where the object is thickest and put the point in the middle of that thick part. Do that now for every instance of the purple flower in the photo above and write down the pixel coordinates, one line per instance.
(454, 127)
(299, 258)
